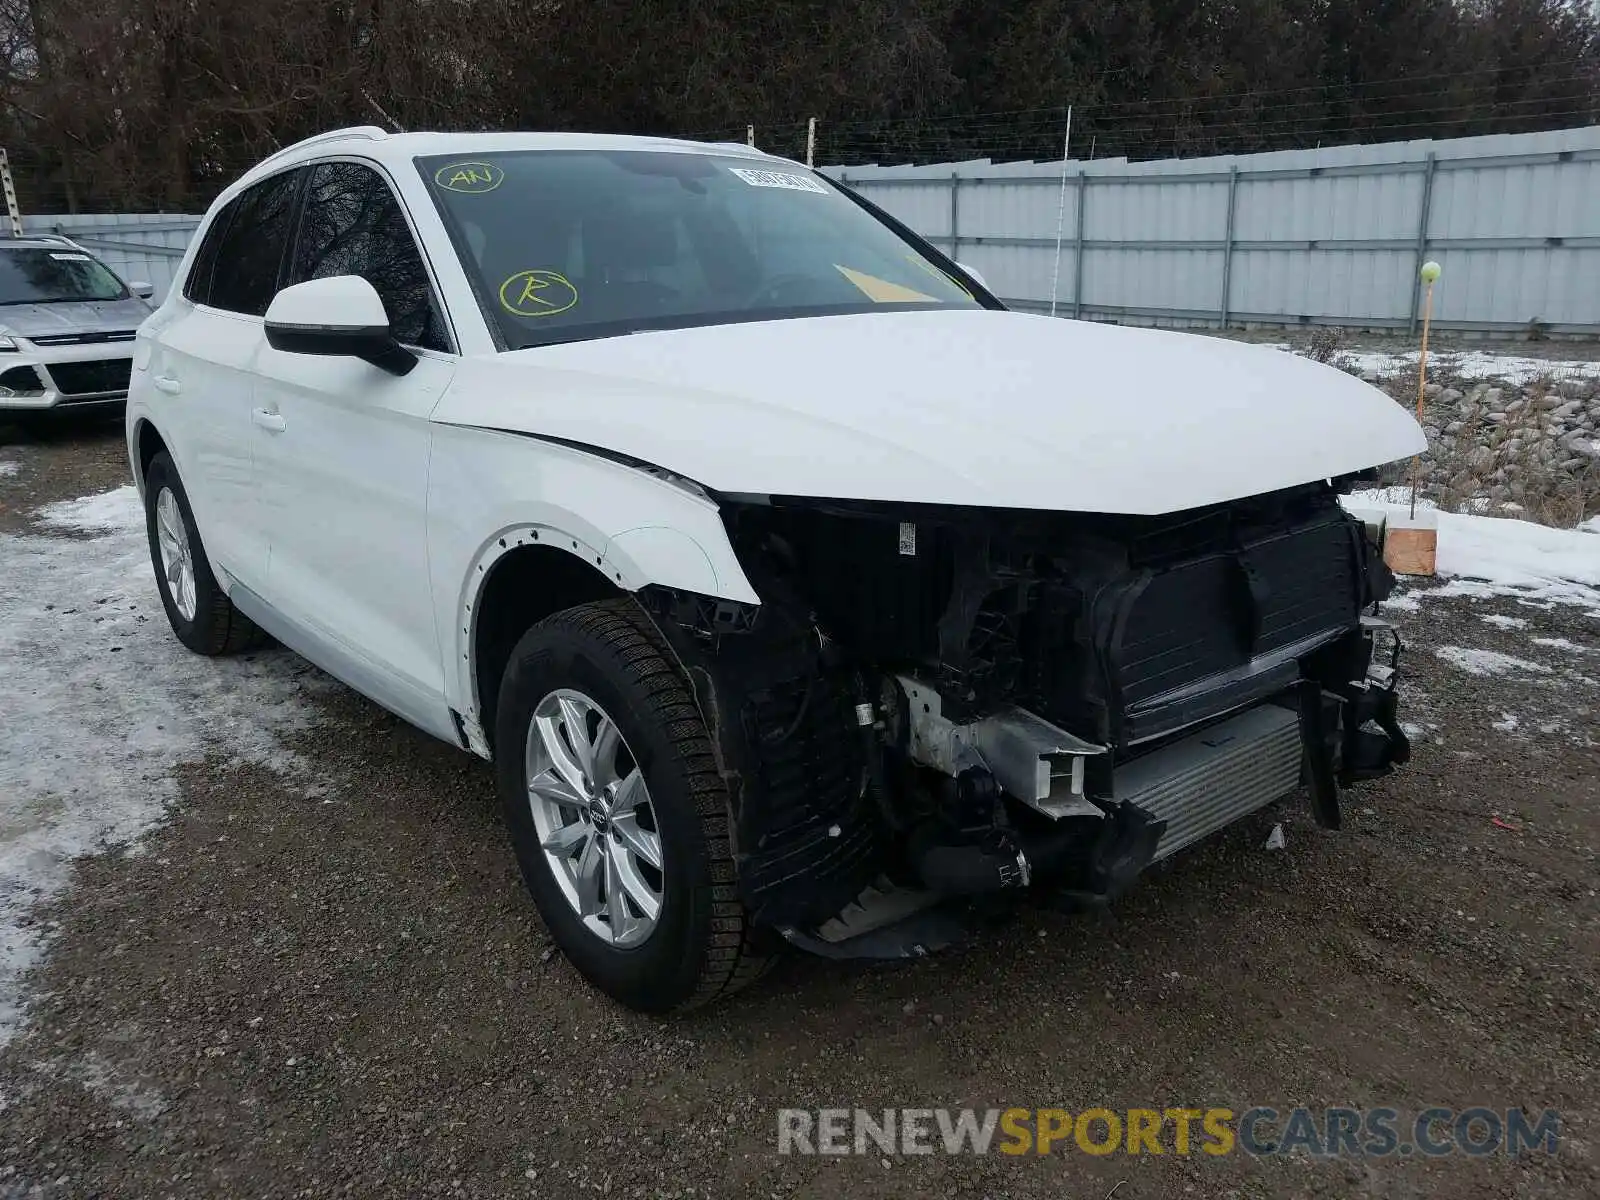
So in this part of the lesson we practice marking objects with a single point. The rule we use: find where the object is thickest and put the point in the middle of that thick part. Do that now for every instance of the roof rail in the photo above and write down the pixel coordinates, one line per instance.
(56, 239)
(369, 133)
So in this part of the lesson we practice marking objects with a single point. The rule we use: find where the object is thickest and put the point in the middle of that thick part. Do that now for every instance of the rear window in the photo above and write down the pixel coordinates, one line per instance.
(51, 275)
(197, 288)
(569, 244)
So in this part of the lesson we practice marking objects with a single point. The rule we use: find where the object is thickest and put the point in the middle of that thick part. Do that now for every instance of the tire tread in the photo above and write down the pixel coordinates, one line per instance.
(223, 628)
(733, 957)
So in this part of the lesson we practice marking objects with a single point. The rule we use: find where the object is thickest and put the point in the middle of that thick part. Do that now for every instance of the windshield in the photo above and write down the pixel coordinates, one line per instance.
(41, 275)
(571, 244)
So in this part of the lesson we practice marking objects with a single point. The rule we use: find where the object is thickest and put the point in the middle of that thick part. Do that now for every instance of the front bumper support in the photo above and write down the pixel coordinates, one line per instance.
(1354, 734)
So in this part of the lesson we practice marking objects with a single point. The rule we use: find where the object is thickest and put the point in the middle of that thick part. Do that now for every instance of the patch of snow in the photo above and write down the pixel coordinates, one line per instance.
(1560, 643)
(1503, 622)
(102, 513)
(1385, 499)
(1405, 602)
(1501, 556)
(1488, 662)
(99, 1077)
(1468, 365)
(1507, 723)
(100, 703)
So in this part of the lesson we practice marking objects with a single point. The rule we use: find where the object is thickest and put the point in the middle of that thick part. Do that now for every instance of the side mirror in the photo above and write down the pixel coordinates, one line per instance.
(341, 315)
(142, 290)
(976, 277)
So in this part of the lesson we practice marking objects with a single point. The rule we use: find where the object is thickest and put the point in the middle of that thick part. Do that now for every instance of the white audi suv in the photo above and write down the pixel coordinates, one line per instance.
(800, 592)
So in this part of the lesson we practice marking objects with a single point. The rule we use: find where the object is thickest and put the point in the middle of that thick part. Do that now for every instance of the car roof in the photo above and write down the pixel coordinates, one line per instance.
(397, 149)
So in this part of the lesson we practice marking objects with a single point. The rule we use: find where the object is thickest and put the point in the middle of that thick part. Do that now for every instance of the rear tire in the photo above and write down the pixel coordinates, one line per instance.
(607, 657)
(199, 611)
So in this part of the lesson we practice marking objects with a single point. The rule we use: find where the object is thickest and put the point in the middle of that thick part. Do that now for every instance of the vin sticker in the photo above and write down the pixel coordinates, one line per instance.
(778, 179)
(908, 538)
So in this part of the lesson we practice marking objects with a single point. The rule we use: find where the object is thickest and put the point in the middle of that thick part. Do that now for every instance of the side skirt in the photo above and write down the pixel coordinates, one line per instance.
(428, 713)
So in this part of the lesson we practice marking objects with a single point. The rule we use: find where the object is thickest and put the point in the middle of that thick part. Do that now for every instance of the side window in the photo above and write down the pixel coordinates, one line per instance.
(197, 288)
(250, 250)
(353, 225)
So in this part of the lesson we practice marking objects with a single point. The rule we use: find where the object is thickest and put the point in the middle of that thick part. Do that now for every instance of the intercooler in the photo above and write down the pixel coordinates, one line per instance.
(1210, 779)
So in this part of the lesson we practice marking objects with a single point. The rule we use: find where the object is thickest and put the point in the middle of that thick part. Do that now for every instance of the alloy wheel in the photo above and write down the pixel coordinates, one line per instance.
(595, 823)
(177, 560)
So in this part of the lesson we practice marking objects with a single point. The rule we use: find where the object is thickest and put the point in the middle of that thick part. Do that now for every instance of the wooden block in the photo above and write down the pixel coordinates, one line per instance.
(1411, 549)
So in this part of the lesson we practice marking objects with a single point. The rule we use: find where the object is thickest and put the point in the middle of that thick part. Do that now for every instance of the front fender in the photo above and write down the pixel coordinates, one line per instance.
(668, 557)
(491, 492)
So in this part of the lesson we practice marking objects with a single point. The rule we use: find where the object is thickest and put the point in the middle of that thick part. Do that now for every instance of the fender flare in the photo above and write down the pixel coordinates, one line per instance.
(629, 561)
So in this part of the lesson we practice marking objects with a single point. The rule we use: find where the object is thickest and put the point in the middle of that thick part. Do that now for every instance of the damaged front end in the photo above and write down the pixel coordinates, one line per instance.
(957, 703)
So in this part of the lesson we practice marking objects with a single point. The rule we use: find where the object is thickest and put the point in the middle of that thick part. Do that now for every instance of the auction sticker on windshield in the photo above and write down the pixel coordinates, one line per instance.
(778, 179)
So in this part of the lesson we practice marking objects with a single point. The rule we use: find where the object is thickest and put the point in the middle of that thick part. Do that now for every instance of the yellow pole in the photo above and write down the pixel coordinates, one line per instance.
(1430, 272)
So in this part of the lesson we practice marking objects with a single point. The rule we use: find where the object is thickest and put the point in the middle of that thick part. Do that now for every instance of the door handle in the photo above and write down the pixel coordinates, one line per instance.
(167, 384)
(268, 420)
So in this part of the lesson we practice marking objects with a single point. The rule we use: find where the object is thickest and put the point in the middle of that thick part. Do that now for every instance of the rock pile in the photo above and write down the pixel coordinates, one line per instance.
(1506, 443)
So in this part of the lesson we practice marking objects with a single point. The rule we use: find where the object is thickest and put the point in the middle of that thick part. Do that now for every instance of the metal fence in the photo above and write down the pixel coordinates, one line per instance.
(1331, 236)
(1297, 237)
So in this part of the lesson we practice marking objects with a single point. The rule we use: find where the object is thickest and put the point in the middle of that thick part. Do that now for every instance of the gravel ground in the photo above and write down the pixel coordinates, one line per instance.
(342, 989)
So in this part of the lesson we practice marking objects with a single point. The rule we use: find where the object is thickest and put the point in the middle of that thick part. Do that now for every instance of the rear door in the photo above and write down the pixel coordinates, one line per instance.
(203, 351)
(344, 471)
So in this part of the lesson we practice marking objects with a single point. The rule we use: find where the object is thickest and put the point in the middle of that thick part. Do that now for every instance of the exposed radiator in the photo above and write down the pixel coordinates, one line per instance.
(1202, 617)
(1206, 781)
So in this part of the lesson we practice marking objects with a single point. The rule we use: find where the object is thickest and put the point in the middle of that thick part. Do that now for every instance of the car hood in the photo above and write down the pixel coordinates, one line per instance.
(86, 316)
(959, 407)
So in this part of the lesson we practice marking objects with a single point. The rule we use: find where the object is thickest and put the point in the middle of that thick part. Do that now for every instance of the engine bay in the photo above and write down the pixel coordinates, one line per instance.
(965, 702)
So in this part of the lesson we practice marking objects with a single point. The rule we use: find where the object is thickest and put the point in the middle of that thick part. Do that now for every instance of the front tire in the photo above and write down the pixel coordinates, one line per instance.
(201, 615)
(617, 814)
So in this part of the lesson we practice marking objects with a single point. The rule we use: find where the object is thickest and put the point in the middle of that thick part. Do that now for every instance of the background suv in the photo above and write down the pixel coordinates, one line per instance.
(66, 327)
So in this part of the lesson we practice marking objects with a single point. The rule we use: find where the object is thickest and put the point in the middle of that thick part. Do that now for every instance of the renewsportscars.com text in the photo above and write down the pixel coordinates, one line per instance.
(1259, 1131)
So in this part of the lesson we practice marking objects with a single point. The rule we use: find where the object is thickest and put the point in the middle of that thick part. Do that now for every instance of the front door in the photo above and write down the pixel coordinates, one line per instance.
(342, 454)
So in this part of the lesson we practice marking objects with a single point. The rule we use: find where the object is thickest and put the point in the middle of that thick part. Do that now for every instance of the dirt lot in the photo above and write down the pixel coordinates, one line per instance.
(321, 976)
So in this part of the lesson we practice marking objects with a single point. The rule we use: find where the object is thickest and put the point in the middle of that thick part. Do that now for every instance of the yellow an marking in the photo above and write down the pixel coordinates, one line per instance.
(470, 176)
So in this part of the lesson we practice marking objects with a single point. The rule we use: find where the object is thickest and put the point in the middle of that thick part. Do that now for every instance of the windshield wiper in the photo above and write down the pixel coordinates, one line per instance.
(581, 337)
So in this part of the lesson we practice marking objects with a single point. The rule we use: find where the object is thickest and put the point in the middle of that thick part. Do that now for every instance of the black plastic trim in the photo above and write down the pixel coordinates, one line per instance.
(371, 343)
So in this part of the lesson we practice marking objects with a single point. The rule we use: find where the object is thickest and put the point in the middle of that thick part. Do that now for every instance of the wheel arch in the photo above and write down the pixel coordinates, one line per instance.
(529, 572)
(524, 576)
(521, 528)
(147, 443)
